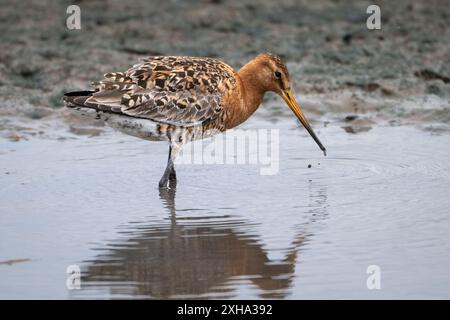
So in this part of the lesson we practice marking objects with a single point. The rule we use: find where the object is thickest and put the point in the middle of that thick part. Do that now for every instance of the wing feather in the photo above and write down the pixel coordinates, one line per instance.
(174, 90)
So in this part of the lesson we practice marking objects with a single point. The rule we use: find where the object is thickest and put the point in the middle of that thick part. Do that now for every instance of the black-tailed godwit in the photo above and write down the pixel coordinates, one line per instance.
(180, 99)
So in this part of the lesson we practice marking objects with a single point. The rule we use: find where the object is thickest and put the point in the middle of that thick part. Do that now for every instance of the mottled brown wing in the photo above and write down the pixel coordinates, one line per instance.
(178, 108)
(175, 90)
(182, 73)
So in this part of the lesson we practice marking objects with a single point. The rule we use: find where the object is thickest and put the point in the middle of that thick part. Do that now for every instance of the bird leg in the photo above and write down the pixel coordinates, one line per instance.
(173, 174)
(169, 173)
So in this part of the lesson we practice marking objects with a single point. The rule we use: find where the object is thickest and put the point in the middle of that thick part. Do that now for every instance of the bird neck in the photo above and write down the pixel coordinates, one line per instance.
(253, 87)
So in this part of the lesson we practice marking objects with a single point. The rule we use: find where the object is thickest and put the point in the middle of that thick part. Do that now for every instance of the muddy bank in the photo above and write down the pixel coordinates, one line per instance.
(399, 74)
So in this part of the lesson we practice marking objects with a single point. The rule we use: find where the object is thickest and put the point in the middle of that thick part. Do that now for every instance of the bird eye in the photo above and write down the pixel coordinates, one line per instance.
(277, 74)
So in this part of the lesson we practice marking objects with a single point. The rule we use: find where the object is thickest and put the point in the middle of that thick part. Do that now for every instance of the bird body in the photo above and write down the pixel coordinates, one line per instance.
(180, 99)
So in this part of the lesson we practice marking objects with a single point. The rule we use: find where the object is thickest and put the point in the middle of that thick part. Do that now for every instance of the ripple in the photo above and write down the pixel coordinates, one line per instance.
(380, 197)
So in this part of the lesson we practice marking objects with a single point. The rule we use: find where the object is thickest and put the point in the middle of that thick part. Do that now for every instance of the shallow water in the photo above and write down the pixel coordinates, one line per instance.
(380, 197)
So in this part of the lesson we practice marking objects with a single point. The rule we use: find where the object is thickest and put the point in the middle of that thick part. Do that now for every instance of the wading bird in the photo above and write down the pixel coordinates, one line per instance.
(181, 99)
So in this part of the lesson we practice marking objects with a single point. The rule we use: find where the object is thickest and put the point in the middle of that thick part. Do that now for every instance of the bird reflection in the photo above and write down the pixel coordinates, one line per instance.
(186, 258)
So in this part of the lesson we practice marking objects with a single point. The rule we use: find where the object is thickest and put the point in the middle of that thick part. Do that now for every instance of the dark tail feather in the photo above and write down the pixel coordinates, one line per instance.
(77, 98)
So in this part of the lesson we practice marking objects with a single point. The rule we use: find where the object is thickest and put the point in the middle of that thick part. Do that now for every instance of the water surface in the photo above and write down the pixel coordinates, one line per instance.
(380, 197)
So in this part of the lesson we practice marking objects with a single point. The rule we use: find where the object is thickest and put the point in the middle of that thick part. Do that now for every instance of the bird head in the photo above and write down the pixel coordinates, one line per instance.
(274, 76)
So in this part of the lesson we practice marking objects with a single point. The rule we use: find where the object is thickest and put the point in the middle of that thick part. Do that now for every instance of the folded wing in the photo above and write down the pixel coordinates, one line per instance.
(182, 91)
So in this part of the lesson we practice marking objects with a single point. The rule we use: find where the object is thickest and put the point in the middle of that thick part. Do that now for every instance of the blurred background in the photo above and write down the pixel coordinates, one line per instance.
(400, 73)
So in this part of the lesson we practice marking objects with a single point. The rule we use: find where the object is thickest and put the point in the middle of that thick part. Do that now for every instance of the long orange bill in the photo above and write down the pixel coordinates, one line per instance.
(290, 100)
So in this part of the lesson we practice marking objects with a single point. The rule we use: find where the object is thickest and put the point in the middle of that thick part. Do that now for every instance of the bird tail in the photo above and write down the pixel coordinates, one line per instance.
(77, 99)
